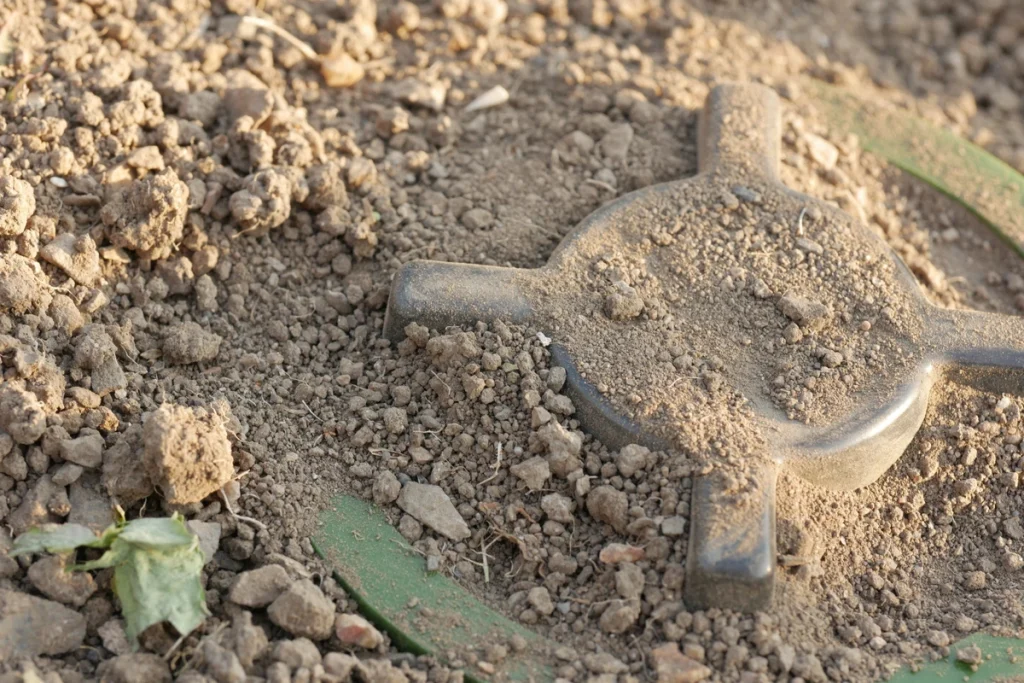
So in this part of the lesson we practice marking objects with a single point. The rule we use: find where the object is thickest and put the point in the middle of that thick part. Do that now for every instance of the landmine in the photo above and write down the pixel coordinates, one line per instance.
(679, 311)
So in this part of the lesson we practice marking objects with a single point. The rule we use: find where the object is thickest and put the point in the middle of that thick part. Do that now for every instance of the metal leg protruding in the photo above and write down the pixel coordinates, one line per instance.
(731, 558)
(439, 294)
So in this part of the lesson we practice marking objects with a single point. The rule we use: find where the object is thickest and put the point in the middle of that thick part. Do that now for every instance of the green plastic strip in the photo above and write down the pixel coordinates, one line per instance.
(986, 186)
(424, 613)
(1002, 659)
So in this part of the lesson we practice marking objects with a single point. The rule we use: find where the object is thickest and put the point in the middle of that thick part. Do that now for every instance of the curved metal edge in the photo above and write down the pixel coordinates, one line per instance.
(596, 413)
(857, 455)
(732, 553)
(729, 566)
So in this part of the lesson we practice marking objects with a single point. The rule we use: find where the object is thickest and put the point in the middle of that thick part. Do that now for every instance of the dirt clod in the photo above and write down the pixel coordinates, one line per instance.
(148, 216)
(136, 668)
(263, 203)
(674, 667)
(189, 343)
(51, 577)
(608, 505)
(22, 287)
(187, 454)
(17, 204)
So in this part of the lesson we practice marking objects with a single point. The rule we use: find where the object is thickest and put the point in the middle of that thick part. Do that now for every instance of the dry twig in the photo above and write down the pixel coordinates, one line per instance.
(259, 22)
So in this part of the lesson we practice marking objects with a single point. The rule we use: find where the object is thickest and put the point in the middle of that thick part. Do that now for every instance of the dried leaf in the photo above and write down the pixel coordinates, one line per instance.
(157, 568)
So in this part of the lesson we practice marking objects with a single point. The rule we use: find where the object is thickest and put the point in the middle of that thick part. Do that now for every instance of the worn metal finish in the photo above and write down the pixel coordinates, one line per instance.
(734, 566)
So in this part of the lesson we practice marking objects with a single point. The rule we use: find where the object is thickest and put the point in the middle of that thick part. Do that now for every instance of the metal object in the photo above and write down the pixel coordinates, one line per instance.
(423, 612)
(732, 565)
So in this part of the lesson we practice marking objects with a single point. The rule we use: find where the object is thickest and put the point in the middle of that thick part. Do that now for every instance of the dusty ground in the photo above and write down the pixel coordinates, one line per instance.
(197, 236)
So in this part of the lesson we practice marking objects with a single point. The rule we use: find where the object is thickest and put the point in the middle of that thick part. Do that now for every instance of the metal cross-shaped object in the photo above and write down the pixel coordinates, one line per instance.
(731, 556)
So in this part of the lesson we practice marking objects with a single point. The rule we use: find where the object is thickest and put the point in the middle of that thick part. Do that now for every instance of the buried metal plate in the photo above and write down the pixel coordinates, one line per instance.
(731, 558)
(431, 614)
(424, 613)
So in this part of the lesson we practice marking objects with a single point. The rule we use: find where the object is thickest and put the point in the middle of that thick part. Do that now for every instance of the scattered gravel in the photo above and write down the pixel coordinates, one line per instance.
(198, 230)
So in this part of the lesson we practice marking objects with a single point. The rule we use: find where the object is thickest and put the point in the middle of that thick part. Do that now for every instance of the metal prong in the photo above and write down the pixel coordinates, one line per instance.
(438, 294)
(731, 558)
(984, 350)
(739, 131)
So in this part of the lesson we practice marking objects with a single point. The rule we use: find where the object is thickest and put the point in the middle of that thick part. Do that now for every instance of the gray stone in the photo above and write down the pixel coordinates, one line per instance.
(51, 577)
(85, 451)
(33, 511)
(556, 378)
(386, 488)
(303, 611)
(1013, 528)
(107, 377)
(113, 637)
(673, 526)
(89, 506)
(222, 664)
(31, 626)
(432, 506)
(259, 587)
(67, 474)
(296, 653)
(209, 537)
(629, 581)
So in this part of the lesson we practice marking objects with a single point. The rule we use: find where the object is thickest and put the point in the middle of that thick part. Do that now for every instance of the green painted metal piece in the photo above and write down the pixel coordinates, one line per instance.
(1002, 660)
(985, 185)
(424, 613)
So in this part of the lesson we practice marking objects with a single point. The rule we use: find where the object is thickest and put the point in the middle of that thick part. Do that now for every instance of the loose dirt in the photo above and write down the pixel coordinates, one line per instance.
(190, 215)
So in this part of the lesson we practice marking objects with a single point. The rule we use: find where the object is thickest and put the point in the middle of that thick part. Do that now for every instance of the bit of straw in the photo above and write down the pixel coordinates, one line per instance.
(240, 518)
(497, 466)
(259, 22)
